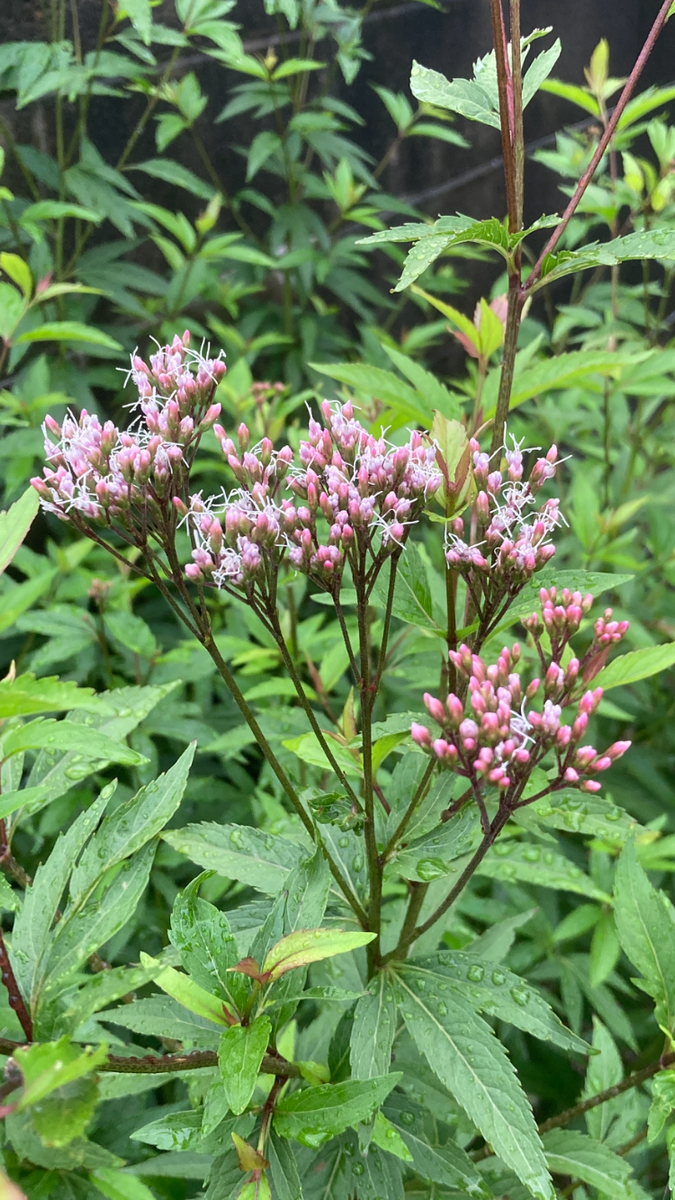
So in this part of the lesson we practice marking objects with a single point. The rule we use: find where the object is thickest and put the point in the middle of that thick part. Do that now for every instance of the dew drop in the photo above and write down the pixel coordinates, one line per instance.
(549, 858)
(475, 973)
(532, 854)
(407, 1118)
(358, 1169)
(431, 868)
(498, 978)
(343, 842)
(502, 849)
(357, 863)
(520, 995)
(442, 1009)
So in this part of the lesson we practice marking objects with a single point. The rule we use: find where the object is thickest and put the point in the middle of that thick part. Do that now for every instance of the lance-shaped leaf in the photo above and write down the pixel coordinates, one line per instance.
(646, 927)
(240, 1054)
(130, 826)
(187, 992)
(48, 734)
(514, 859)
(262, 860)
(119, 1185)
(435, 1153)
(467, 1057)
(286, 1182)
(26, 695)
(163, 1017)
(638, 664)
(373, 1030)
(201, 934)
(15, 523)
(493, 989)
(311, 945)
(314, 1115)
(570, 1152)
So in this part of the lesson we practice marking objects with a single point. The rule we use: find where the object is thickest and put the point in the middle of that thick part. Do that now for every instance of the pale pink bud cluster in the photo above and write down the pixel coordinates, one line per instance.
(561, 616)
(514, 539)
(99, 471)
(352, 490)
(494, 737)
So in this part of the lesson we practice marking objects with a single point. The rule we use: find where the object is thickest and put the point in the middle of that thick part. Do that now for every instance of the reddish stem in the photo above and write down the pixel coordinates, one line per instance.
(16, 1000)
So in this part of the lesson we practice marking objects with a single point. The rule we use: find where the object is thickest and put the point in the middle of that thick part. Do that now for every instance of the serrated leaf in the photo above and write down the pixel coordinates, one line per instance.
(645, 925)
(575, 812)
(163, 1017)
(463, 96)
(465, 1054)
(444, 1163)
(383, 385)
(284, 1172)
(412, 592)
(119, 1185)
(49, 734)
(240, 1054)
(570, 1152)
(527, 601)
(262, 860)
(313, 1115)
(514, 860)
(59, 1088)
(430, 856)
(129, 827)
(26, 696)
(16, 600)
(201, 934)
(491, 988)
(311, 945)
(15, 523)
(637, 664)
(373, 1030)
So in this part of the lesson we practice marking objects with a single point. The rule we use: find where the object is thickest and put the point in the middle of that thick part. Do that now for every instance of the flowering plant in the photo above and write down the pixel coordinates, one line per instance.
(378, 820)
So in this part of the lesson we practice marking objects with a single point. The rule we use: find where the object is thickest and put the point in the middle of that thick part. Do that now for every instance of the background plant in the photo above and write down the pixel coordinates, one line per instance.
(105, 625)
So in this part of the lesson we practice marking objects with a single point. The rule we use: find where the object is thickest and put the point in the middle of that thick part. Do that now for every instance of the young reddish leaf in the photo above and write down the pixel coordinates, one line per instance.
(250, 1159)
(311, 945)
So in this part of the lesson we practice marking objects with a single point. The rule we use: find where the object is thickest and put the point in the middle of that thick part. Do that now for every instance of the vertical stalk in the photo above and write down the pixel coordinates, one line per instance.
(374, 865)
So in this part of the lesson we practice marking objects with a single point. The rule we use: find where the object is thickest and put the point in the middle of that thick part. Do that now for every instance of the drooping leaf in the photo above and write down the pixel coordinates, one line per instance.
(164, 1017)
(187, 992)
(435, 1153)
(49, 734)
(262, 860)
(491, 988)
(313, 1115)
(515, 859)
(240, 1054)
(69, 331)
(570, 1152)
(467, 1057)
(645, 925)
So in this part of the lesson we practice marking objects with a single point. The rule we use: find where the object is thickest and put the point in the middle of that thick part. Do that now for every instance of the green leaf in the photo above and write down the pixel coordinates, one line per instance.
(16, 600)
(493, 989)
(663, 1102)
(119, 1185)
(49, 734)
(307, 888)
(575, 812)
(539, 71)
(132, 633)
(286, 1182)
(309, 750)
(177, 174)
(26, 695)
(313, 1115)
(14, 525)
(45, 210)
(202, 936)
(311, 945)
(18, 271)
(430, 856)
(576, 95)
(381, 384)
(469, 1060)
(12, 308)
(412, 592)
(160, 1016)
(386, 1136)
(463, 96)
(515, 859)
(262, 860)
(637, 664)
(240, 1054)
(33, 924)
(58, 1088)
(187, 992)
(296, 66)
(133, 823)
(82, 930)
(570, 1152)
(646, 927)
(605, 1068)
(527, 601)
(373, 1030)
(68, 331)
(439, 1161)
(262, 147)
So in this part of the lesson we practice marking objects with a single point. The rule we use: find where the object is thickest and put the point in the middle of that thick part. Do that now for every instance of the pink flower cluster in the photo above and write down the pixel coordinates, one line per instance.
(493, 738)
(99, 471)
(352, 492)
(514, 539)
